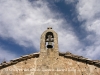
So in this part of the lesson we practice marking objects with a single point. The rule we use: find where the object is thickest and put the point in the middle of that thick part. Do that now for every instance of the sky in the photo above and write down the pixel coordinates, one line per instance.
(22, 22)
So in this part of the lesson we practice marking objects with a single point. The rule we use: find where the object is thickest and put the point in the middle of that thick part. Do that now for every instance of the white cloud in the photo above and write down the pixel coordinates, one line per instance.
(24, 22)
(89, 11)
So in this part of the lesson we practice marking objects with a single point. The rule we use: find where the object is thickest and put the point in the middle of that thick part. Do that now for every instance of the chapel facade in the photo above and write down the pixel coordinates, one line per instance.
(49, 61)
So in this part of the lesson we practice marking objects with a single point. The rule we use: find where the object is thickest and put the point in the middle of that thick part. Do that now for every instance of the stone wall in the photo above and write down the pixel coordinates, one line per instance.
(50, 65)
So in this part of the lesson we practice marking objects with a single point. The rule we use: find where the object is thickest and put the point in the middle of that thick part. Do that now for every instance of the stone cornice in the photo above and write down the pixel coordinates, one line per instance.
(81, 59)
(65, 55)
(15, 61)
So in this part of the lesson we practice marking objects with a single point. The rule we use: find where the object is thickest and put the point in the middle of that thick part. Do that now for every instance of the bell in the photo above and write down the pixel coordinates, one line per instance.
(49, 46)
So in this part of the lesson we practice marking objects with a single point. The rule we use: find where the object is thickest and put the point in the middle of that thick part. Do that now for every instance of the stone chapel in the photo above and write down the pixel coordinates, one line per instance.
(49, 61)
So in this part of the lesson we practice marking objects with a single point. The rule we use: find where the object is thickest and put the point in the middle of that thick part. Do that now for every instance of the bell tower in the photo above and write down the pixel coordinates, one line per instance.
(49, 54)
(49, 43)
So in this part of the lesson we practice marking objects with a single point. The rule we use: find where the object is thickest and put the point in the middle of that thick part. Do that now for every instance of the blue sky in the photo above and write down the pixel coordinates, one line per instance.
(22, 22)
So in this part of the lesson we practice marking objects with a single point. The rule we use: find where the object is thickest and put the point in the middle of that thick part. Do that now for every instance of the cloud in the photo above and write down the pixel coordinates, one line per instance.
(25, 21)
(88, 11)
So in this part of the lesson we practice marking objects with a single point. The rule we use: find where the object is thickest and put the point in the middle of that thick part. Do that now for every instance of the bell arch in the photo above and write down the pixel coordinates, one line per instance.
(51, 37)
(49, 40)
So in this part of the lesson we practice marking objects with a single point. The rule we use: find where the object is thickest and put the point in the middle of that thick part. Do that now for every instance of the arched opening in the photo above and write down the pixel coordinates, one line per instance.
(49, 40)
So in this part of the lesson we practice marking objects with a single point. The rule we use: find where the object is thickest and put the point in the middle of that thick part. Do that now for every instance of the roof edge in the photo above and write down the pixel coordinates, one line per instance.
(66, 55)
(81, 59)
(15, 61)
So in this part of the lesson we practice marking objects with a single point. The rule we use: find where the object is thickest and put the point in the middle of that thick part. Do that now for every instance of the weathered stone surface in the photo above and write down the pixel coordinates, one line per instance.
(51, 66)
(50, 62)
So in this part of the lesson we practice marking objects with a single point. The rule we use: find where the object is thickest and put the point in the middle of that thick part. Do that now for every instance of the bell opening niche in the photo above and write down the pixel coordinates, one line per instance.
(49, 40)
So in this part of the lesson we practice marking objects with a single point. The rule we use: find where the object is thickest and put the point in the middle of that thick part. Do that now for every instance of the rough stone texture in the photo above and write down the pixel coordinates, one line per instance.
(64, 64)
(50, 62)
